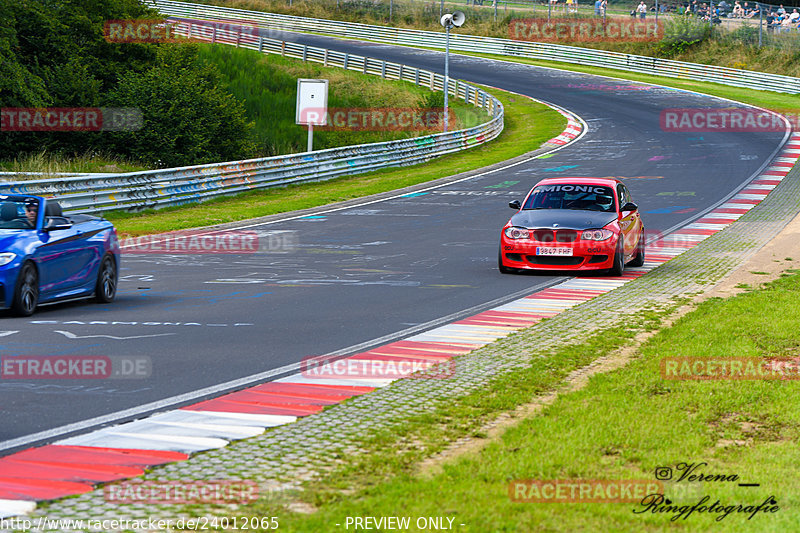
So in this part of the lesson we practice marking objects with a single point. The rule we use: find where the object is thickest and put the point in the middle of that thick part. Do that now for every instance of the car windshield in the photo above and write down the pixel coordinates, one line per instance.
(18, 214)
(567, 196)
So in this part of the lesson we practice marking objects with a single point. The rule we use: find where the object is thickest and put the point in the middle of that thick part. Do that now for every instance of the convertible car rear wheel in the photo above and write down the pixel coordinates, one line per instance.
(106, 288)
(26, 293)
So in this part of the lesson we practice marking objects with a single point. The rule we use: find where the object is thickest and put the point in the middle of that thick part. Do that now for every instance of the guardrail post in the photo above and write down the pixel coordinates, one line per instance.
(383, 69)
(346, 61)
(238, 38)
(416, 76)
(365, 65)
(214, 36)
(305, 51)
(433, 87)
(325, 59)
(260, 44)
(283, 48)
(401, 72)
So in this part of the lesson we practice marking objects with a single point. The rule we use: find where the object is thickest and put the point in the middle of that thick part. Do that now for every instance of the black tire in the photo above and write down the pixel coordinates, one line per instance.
(26, 291)
(619, 259)
(639, 259)
(500, 266)
(106, 287)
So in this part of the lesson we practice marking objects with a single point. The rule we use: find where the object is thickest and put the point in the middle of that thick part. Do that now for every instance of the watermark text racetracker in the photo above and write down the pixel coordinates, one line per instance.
(182, 492)
(169, 31)
(582, 490)
(75, 367)
(217, 242)
(71, 119)
(376, 367)
(387, 118)
(730, 368)
(728, 119)
(584, 30)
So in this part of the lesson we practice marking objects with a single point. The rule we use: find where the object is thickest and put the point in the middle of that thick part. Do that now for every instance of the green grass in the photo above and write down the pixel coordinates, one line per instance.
(267, 86)
(527, 125)
(51, 163)
(623, 425)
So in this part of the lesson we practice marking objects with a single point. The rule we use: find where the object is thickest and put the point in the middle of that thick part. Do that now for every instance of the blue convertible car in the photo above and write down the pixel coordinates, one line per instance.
(46, 257)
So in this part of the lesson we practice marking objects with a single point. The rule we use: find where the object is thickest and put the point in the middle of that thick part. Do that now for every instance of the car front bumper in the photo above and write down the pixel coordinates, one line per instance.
(586, 255)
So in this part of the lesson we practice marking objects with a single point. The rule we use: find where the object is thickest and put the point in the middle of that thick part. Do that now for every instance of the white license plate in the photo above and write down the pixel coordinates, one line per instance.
(543, 250)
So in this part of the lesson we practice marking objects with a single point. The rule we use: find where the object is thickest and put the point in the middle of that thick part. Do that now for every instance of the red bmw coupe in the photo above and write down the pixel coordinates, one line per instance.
(573, 224)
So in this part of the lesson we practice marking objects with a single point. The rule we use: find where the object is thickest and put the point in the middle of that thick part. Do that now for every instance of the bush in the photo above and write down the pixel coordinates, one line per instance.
(681, 33)
(188, 117)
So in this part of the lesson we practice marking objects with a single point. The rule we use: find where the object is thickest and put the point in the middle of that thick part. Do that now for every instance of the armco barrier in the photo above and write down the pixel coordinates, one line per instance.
(490, 45)
(175, 186)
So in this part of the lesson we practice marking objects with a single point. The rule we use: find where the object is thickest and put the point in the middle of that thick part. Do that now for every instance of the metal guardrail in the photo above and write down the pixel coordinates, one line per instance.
(176, 186)
(491, 45)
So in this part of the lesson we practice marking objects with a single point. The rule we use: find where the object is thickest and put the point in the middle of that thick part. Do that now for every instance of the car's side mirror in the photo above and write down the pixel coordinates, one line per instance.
(56, 223)
(515, 205)
(630, 206)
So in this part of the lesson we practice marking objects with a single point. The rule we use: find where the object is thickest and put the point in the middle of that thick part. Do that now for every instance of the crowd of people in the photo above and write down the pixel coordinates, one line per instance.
(775, 18)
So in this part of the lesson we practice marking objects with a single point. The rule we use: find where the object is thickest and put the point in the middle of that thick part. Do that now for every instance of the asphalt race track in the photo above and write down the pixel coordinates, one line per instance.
(339, 279)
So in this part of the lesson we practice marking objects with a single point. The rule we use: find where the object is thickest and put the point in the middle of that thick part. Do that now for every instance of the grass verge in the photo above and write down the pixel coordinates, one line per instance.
(527, 125)
(783, 103)
(266, 84)
(51, 163)
(623, 425)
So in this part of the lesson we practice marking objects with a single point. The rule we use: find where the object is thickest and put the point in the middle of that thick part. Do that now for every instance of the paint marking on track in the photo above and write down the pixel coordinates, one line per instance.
(69, 335)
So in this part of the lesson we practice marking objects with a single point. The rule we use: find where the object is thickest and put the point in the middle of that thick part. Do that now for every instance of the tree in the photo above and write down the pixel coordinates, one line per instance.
(188, 116)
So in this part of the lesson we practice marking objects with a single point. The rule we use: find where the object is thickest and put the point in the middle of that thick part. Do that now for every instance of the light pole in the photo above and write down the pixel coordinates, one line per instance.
(449, 21)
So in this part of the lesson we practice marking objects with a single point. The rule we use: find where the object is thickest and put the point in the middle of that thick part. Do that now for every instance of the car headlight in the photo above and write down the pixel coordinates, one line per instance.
(6, 258)
(596, 234)
(517, 233)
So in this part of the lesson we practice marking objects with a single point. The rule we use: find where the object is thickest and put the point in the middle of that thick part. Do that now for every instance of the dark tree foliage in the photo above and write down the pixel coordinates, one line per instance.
(188, 117)
(53, 54)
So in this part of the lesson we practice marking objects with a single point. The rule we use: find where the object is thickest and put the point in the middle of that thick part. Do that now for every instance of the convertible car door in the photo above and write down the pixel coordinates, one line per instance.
(67, 262)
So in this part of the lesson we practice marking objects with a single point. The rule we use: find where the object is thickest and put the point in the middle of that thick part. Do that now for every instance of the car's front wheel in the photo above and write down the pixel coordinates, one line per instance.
(106, 287)
(619, 259)
(639, 259)
(26, 292)
(500, 266)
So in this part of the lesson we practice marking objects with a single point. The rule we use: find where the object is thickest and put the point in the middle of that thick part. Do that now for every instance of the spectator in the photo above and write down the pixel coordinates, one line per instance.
(642, 9)
(597, 4)
(781, 10)
(795, 16)
(776, 23)
(738, 12)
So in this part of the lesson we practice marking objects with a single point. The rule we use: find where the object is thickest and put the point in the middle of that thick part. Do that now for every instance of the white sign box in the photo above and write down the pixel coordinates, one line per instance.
(312, 102)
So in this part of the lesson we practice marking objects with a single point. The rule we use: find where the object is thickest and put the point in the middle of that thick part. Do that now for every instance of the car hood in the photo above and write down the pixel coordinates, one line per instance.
(565, 218)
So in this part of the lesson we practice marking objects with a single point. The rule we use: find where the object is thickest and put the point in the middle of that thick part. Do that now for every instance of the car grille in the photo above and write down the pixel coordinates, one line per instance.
(549, 235)
(554, 260)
